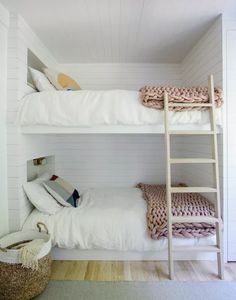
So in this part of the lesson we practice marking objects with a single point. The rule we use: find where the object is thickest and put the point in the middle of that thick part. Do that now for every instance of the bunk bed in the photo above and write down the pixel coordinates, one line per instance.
(96, 223)
(111, 223)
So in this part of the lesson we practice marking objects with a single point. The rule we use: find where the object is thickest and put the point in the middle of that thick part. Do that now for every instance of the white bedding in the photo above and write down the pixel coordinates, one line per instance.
(112, 219)
(93, 108)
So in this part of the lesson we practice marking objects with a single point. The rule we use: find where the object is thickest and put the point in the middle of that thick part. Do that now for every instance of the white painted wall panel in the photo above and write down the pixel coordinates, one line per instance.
(111, 160)
(4, 23)
(123, 76)
(202, 175)
(205, 58)
(20, 148)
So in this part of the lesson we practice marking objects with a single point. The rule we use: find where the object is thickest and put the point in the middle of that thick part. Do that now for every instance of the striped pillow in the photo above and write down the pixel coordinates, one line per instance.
(62, 191)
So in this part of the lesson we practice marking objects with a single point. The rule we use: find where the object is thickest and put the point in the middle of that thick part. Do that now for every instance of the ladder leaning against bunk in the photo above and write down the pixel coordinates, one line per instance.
(218, 248)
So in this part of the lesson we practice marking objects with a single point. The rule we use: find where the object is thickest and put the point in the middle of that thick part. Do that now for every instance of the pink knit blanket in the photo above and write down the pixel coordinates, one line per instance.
(183, 204)
(153, 96)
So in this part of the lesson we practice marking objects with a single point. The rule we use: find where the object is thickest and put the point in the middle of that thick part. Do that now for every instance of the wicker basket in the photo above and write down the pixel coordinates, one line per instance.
(16, 282)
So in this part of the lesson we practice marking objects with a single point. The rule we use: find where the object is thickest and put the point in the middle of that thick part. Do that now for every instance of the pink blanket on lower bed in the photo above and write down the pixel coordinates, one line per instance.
(153, 96)
(183, 204)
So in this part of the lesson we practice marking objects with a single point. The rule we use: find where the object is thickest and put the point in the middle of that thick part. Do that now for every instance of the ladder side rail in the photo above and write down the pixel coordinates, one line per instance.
(168, 185)
(214, 143)
(216, 173)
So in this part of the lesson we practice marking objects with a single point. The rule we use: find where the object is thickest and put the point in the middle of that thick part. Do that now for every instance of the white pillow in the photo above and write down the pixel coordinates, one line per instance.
(39, 197)
(40, 81)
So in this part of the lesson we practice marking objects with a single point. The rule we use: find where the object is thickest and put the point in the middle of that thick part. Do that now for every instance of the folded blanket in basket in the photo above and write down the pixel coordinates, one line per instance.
(183, 204)
(153, 96)
(28, 254)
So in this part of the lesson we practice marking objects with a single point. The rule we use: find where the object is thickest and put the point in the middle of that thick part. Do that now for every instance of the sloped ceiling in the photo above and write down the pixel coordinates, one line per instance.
(150, 31)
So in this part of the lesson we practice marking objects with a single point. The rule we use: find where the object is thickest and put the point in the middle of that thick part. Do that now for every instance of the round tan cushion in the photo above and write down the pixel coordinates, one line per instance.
(61, 81)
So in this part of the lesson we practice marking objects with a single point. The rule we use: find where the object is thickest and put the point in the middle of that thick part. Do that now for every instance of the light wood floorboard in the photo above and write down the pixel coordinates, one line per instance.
(138, 270)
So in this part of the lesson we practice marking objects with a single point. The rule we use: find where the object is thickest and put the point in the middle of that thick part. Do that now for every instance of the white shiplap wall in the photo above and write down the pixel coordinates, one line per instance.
(20, 148)
(201, 175)
(204, 59)
(4, 23)
(123, 76)
(112, 160)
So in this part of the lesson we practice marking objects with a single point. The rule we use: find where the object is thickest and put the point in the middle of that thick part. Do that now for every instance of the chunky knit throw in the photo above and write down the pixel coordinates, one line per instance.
(153, 96)
(183, 204)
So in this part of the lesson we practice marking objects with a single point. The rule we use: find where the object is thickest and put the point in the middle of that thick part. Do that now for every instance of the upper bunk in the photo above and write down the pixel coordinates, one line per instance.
(111, 111)
(104, 112)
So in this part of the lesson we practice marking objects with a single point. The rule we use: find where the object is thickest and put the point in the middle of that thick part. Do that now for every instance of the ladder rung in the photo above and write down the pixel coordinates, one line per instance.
(195, 219)
(208, 248)
(191, 132)
(192, 190)
(192, 161)
(190, 104)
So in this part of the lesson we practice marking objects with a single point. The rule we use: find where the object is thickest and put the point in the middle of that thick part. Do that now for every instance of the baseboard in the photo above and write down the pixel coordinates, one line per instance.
(76, 254)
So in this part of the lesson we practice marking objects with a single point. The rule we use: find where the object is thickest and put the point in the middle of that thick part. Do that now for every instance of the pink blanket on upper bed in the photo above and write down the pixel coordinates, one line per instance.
(183, 204)
(153, 96)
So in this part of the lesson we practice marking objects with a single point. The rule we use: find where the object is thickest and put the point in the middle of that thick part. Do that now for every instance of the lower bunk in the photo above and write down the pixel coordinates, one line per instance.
(111, 224)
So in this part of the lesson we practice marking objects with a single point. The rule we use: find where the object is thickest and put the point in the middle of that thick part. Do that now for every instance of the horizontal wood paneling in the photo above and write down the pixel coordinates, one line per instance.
(202, 175)
(111, 160)
(20, 148)
(123, 76)
(4, 22)
(205, 58)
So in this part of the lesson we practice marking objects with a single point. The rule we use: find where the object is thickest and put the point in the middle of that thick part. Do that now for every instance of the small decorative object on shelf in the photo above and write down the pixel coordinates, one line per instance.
(41, 161)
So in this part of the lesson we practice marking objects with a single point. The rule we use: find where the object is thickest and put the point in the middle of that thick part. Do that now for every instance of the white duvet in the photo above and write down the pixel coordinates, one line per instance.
(93, 108)
(113, 219)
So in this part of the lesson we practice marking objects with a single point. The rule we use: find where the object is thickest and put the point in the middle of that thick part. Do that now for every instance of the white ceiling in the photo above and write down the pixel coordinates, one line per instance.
(80, 31)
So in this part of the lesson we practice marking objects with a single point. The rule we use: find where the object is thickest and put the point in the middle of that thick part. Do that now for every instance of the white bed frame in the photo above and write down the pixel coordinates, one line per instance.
(96, 254)
(77, 254)
(118, 129)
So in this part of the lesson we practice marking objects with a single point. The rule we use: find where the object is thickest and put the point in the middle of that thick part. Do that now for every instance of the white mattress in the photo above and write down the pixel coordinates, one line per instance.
(94, 108)
(111, 219)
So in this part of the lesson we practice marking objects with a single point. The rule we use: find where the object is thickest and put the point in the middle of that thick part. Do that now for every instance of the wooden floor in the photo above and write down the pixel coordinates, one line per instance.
(138, 271)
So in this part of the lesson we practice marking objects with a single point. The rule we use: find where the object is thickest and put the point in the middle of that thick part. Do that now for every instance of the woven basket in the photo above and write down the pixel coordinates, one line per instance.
(16, 282)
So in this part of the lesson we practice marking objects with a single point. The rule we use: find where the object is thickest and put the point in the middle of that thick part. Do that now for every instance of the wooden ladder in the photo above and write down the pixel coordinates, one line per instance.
(218, 248)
